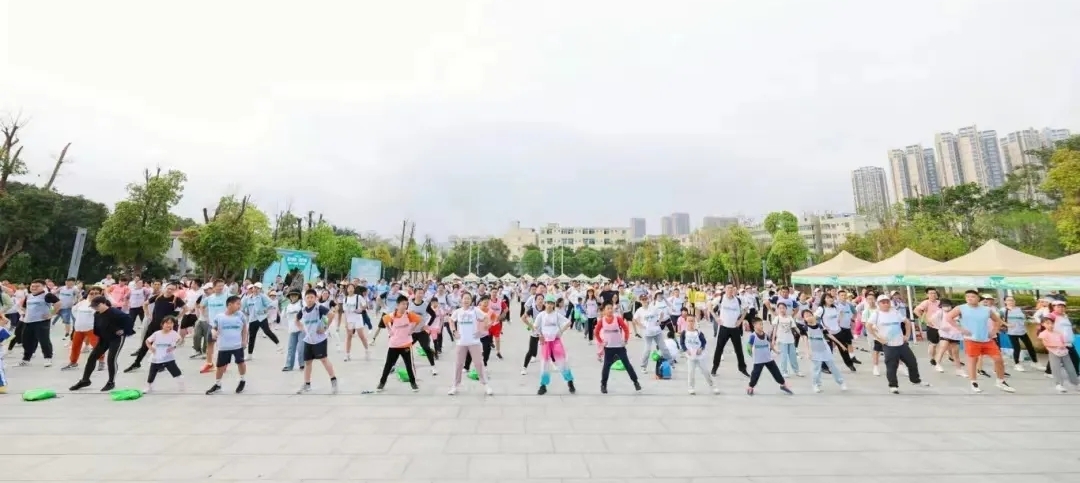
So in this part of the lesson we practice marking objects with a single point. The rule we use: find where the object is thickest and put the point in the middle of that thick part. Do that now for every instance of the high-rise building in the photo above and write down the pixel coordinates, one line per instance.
(933, 171)
(637, 229)
(822, 233)
(911, 174)
(1016, 145)
(667, 226)
(682, 223)
(973, 166)
(1052, 135)
(870, 190)
(948, 159)
(719, 221)
(995, 168)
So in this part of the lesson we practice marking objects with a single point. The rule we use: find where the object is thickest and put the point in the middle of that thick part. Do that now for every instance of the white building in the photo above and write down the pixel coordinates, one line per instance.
(870, 189)
(175, 254)
(822, 233)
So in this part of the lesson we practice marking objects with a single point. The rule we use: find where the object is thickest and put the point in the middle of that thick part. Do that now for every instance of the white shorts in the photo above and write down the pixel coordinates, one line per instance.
(354, 323)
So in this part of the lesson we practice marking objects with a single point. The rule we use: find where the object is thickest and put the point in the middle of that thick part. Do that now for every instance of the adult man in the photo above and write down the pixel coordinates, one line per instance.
(111, 326)
(979, 325)
(212, 305)
(39, 306)
(891, 329)
(69, 296)
(927, 311)
(732, 317)
(163, 305)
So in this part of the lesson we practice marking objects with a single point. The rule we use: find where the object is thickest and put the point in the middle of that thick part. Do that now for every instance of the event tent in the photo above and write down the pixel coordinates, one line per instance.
(508, 277)
(490, 277)
(582, 278)
(1068, 266)
(451, 278)
(563, 278)
(527, 278)
(828, 272)
(544, 278)
(990, 260)
(600, 279)
(891, 271)
(471, 278)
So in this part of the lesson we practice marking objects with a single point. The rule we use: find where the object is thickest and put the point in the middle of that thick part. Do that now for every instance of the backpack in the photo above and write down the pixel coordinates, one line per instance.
(665, 369)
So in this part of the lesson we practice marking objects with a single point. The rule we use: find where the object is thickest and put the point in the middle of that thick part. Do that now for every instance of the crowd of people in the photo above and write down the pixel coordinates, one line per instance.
(768, 329)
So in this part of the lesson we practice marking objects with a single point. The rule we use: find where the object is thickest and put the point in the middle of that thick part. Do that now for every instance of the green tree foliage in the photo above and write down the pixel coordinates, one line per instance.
(139, 229)
(1063, 180)
(589, 261)
(787, 253)
(532, 262)
(234, 239)
(781, 221)
(51, 253)
(562, 261)
(492, 256)
(671, 259)
(743, 260)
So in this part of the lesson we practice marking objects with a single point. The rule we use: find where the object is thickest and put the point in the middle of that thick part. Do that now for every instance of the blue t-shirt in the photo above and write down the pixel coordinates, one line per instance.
(312, 320)
(230, 331)
(977, 321)
(215, 305)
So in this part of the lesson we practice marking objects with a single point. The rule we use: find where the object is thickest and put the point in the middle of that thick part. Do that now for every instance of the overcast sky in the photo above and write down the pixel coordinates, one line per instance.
(465, 116)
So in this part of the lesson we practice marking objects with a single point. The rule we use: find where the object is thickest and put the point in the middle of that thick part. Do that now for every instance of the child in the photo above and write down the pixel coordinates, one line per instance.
(4, 336)
(613, 333)
(820, 353)
(310, 320)
(551, 325)
(231, 333)
(672, 349)
(1060, 364)
(400, 325)
(693, 341)
(762, 347)
(784, 333)
(162, 344)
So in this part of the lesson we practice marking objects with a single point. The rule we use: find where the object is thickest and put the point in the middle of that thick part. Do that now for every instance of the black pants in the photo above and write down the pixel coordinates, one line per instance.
(485, 347)
(35, 333)
(590, 326)
(253, 333)
(612, 354)
(112, 347)
(1073, 356)
(157, 367)
(154, 326)
(17, 329)
(424, 339)
(755, 373)
(894, 355)
(438, 342)
(1015, 340)
(844, 336)
(392, 355)
(135, 313)
(725, 334)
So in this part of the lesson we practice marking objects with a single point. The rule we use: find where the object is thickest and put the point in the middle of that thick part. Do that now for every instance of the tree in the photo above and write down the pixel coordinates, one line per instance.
(589, 261)
(743, 257)
(714, 269)
(50, 254)
(781, 221)
(787, 253)
(562, 261)
(646, 263)
(138, 230)
(230, 241)
(1063, 179)
(671, 259)
(27, 212)
(532, 262)
(494, 257)
(693, 264)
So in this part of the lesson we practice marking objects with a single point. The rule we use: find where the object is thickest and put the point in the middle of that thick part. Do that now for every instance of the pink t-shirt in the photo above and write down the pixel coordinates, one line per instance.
(401, 328)
(929, 310)
(118, 295)
(1054, 342)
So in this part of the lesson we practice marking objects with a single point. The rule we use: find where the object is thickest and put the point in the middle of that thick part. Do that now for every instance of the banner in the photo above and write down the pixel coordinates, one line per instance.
(295, 259)
(366, 268)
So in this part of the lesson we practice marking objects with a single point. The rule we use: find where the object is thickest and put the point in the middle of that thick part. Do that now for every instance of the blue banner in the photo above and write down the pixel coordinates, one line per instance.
(367, 269)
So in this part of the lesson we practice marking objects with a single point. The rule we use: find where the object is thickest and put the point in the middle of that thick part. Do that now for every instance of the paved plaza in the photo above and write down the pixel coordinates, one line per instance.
(942, 434)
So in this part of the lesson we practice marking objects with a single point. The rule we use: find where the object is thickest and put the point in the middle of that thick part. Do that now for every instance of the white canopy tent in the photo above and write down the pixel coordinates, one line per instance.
(490, 277)
(563, 279)
(600, 279)
(508, 277)
(830, 270)
(471, 278)
(582, 278)
(453, 277)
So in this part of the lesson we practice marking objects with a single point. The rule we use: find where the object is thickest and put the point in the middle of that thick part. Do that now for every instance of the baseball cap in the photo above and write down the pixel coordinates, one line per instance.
(1057, 302)
(549, 299)
(883, 298)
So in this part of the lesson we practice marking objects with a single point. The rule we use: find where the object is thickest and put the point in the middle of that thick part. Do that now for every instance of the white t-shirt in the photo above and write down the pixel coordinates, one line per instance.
(290, 316)
(889, 325)
(84, 316)
(468, 324)
(163, 346)
(730, 311)
(352, 304)
(549, 324)
(783, 329)
(648, 316)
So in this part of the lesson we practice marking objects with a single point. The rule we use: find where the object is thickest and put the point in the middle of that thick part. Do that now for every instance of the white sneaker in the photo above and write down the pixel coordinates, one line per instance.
(691, 391)
(524, 372)
(817, 388)
(1036, 367)
(347, 357)
(877, 372)
(1060, 388)
(894, 390)
(975, 388)
(939, 368)
(48, 362)
(452, 391)
(1019, 368)
(434, 371)
(715, 390)
(961, 373)
(1049, 376)
(1004, 386)
(488, 390)
(843, 387)
(150, 389)
(799, 374)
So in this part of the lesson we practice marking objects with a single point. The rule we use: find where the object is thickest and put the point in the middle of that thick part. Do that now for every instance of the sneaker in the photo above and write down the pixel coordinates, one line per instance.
(109, 386)
(488, 391)
(603, 389)
(452, 391)
(637, 386)
(132, 368)
(381, 388)
(434, 371)
(817, 388)
(414, 387)
(197, 355)
(975, 387)
(1019, 368)
(148, 390)
(1048, 376)
(749, 391)
(524, 372)
(939, 368)
(1004, 386)
(249, 358)
(69, 367)
(1060, 388)
(961, 373)
(984, 373)
(79, 385)
(1036, 367)
(100, 366)
(286, 369)
(894, 390)
(922, 383)
(216, 388)
(205, 369)
(799, 374)
(24, 363)
(715, 390)
(877, 372)
(691, 391)
(304, 388)
(499, 355)
(541, 391)
(240, 386)
(347, 357)
(48, 362)
(786, 390)
(571, 387)
(333, 386)
(843, 387)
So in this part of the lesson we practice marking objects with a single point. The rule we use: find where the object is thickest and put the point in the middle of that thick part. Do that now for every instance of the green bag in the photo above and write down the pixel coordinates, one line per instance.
(420, 351)
(403, 374)
(473, 375)
(38, 394)
(618, 366)
(653, 356)
(125, 394)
